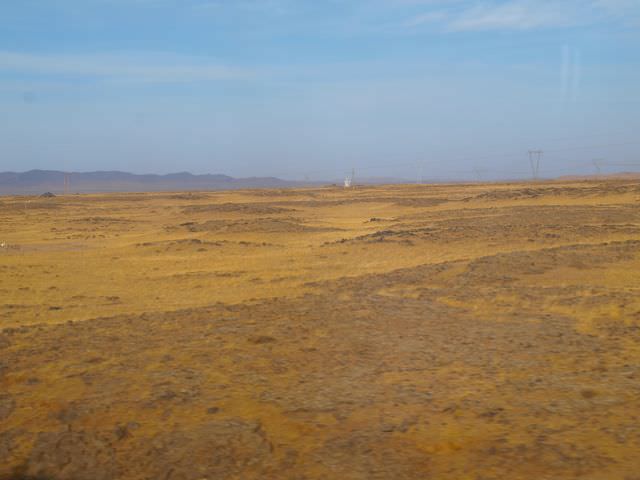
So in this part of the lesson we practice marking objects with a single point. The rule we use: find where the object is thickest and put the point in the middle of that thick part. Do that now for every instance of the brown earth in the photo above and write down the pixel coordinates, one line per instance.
(407, 332)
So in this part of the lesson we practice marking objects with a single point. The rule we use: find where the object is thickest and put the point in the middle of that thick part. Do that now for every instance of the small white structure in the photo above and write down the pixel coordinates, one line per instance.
(348, 181)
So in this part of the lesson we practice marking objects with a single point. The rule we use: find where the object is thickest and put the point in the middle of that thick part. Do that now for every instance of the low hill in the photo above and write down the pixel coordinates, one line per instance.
(38, 181)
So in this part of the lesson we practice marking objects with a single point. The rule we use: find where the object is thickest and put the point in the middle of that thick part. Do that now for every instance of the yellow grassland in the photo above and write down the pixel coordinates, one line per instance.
(482, 331)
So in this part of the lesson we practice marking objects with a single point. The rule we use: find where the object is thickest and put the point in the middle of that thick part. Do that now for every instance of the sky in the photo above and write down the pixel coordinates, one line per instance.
(309, 89)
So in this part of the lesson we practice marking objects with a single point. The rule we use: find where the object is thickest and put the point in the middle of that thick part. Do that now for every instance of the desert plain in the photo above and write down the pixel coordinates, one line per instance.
(479, 331)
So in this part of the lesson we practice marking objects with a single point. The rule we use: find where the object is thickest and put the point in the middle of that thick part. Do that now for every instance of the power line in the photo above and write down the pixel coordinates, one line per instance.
(534, 161)
(498, 155)
(596, 163)
(535, 157)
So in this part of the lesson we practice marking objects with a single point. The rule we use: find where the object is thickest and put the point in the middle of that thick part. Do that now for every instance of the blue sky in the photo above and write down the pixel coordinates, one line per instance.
(302, 88)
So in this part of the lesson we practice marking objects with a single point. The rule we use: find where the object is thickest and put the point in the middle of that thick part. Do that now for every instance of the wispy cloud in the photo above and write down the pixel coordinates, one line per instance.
(619, 6)
(519, 15)
(153, 68)
(628, 10)
(515, 15)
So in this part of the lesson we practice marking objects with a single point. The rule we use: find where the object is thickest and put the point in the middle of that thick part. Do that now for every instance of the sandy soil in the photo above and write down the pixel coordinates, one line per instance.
(403, 332)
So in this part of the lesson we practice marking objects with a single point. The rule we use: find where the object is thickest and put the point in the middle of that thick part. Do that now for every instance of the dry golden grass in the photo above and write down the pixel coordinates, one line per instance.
(449, 332)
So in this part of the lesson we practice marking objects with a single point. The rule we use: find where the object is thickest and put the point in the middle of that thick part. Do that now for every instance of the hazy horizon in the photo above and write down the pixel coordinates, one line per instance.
(308, 90)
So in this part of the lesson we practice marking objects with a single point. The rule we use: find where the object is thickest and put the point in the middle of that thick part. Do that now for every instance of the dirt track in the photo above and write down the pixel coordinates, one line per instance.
(409, 332)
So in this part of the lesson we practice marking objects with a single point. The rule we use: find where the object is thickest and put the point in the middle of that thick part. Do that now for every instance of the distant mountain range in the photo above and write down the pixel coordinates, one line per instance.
(40, 181)
(35, 182)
